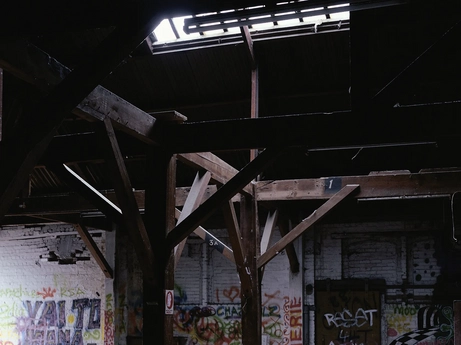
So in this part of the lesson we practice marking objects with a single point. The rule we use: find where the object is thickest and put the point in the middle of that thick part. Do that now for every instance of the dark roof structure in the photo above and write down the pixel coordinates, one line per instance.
(376, 92)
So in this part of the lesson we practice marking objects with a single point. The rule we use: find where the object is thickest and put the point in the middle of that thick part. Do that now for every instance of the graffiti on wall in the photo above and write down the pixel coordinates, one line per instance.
(419, 324)
(52, 323)
(220, 323)
(348, 317)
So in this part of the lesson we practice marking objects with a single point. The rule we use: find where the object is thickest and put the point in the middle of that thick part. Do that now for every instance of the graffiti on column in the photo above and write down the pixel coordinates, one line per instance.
(348, 317)
(419, 324)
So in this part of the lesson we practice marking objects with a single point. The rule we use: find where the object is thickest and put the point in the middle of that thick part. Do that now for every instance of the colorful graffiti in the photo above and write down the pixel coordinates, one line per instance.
(221, 323)
(109, 326)
(428, 325)
(49, 322)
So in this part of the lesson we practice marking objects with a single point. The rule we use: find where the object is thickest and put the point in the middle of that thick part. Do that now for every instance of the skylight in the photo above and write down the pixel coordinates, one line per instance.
(258, 18)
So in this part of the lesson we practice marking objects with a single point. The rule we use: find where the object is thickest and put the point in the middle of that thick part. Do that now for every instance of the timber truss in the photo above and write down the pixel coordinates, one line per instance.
(177, 212)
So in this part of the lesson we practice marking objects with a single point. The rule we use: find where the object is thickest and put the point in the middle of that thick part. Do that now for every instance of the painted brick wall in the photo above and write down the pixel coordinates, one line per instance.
(203, 271)
(40, 299)
(407, 255)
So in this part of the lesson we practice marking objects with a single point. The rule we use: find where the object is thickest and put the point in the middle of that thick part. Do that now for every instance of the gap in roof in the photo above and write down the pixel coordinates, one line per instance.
(171, 30)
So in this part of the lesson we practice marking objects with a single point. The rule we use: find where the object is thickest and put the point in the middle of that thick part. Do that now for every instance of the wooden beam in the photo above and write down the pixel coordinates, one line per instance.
(247, 40)
(235, 238)
(316, 131)
(227, 191)
(34, 66)
(194, 199)
(251, 295)
(127, 201)
(94, 250)
(220, 170)
(394, 185)
(269, 227)
(298, 230)
(73, 203)
(80, 186)
(284, 225)
(48, 115)
(212, 240)
(159, 218)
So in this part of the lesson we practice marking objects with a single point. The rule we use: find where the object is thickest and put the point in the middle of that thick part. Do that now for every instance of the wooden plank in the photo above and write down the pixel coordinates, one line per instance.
(36, 134)
(269, 227)
(73, 203)
(127, 201)
(79, 185)
(194, 199)
(94, 250)
(284, 224)
(228, 190)
(220, 170)
(247, 40)
(371, 186)
(254, 111)
(298, 230)
(159, 218)
(316, 131)
(251, 295)
(235, 238)
(212, 240)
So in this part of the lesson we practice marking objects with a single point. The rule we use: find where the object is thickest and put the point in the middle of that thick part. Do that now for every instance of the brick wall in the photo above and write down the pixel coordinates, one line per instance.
(405, 255)
(42, 299)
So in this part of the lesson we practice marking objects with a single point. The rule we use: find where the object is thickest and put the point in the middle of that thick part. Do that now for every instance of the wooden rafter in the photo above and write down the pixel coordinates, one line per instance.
(235, 236)
(50, 112)
(94, 250)
(227, 191)
(212, 240)
(80, 186)
(395, 184)
(127, 201)
(194, 199)
(220, 170)
(298, 230)
(284, 224)
(268, 231)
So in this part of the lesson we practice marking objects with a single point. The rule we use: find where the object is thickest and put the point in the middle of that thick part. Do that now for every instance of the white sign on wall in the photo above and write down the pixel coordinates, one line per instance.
(169, 301)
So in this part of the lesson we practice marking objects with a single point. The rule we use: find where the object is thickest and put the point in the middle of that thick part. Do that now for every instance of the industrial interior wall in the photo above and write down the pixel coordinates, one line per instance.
(208, 304)
(381, 283)
(51, 290)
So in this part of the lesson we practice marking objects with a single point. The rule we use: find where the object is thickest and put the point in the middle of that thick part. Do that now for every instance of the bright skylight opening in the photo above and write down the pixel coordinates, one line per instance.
(172, 30)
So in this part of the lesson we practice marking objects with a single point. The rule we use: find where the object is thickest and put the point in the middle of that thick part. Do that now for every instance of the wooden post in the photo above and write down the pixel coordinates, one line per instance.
(159, 219)
(251, 300)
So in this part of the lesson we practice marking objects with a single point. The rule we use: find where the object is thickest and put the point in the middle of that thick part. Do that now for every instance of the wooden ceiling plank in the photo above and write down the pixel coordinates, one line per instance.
(319, 130)
(371, 186)
(212, 240)
(220, 170)
(34, 66)
(223, 194)
(80, 186)
(127, 201)
(235, 237)
(94, 250)
(298, 230)
(50, 112)
(194, 199)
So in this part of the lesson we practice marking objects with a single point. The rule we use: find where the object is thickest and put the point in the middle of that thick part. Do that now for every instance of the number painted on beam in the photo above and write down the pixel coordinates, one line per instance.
(332, 184)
